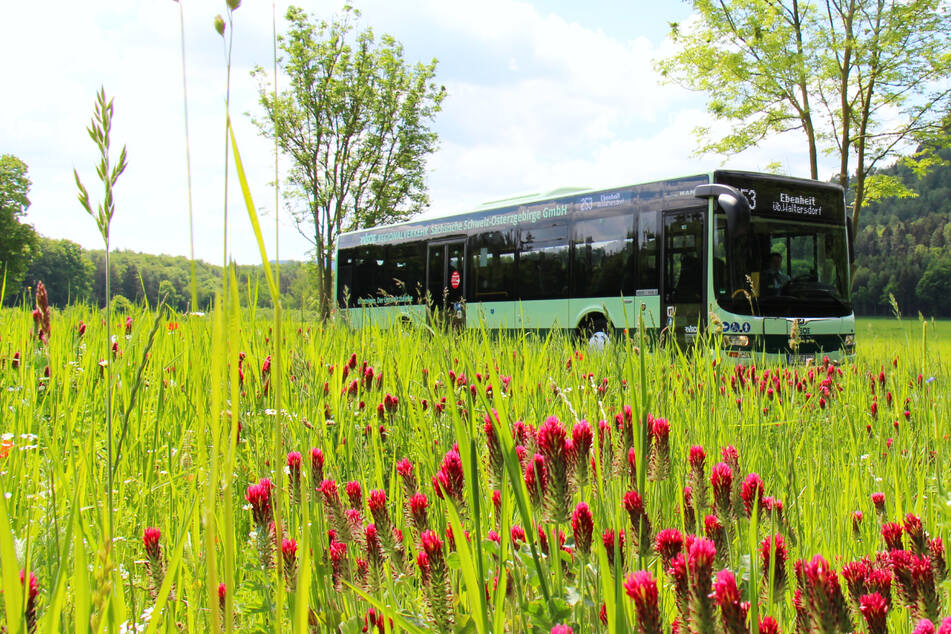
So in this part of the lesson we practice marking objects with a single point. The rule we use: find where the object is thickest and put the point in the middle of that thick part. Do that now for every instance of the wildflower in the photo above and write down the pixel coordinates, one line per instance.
(41, 315)
(700, 557)
(497, 501)
(418, 515)
(751, 493)
(608, 540)
(32, 588)
(536, 479)
(551, 443)
(222, 596)
(668, 544)
(698, 483)
(658, 465)
(690, 521)
(640, 523)
(874, 609)
(856, 522)
(823, 596)
(266, 373)
(891, 533)
(768, 625)
(727, 597)
(438, 589)
(496, 460)
(150, 539)
(354, 494)
(293, 467)
(259, 496)
(924, 627)
(774, 554)
(404, 468)
(936, 554)
(338, 562)
(721, 479)
(878, 499)
(316, 467)
(562, 629)
(333, 509)
(450, 480)
(517, 534)
(582, 526)
(374, 550)
(714, 531)
(632, 466)
(916, 534)
(582, 437)
(642, 588)
(289, 555)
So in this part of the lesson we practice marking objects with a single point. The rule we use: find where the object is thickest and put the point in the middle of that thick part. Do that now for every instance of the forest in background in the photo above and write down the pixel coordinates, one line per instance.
(903, 249)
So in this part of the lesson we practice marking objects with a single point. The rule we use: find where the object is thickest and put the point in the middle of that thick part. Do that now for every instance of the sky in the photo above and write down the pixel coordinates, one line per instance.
(540, 95)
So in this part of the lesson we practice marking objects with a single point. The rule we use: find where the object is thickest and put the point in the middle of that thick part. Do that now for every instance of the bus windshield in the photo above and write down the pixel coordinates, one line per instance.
(792, 269)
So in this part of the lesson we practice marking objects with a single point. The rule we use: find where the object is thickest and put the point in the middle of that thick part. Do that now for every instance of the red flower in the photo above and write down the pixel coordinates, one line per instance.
(450, 478)
(874, 610)
(751, 492)
(151, 540)
(608, 540)
(891, 533)
(773, 549)
(417, 506)
(517, 533)
(768, 625)
(642, 588)
(582, 526)
(727, 596)
(259, 496)
(668, 544)
(562, 629)
(697, 457)
(355, 494)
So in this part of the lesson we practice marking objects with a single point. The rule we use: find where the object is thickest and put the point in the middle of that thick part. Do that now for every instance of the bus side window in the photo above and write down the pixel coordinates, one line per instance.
(648, 276)
(493, 266)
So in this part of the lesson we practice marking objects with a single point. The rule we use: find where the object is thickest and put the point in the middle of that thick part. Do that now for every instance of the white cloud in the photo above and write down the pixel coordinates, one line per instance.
(536, 101)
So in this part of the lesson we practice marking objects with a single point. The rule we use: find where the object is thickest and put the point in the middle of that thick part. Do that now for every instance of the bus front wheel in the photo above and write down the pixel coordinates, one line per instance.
(596, 332)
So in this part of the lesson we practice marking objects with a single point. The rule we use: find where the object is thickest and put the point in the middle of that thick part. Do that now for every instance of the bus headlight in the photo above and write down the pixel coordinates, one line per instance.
(849, 340)
(741, 341)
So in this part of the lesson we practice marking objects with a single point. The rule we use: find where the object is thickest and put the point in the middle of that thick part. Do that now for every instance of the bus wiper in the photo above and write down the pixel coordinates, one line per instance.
(825, 293)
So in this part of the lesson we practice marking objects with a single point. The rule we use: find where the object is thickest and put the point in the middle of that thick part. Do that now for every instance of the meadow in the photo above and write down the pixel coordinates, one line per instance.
(327, 479)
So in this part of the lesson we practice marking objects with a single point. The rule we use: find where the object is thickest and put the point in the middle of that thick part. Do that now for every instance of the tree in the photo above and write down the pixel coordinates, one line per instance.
(65, 269)
(863, 79)
(355, 123)
(17, 240)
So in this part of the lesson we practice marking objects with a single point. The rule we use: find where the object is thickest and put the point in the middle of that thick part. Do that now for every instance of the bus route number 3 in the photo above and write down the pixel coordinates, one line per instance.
(735, 326)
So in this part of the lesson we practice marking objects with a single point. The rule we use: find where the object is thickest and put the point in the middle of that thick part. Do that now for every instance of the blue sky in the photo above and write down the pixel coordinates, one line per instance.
(541, 95)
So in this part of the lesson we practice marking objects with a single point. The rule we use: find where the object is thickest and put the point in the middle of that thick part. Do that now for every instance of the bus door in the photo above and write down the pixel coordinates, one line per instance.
(445, 281)
(684, 274)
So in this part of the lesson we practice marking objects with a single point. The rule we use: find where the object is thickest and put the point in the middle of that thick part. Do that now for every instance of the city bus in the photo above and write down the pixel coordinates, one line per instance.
(764, 258)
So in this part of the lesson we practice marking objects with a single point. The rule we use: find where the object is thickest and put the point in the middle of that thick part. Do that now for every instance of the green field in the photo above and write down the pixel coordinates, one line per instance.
(198, 421)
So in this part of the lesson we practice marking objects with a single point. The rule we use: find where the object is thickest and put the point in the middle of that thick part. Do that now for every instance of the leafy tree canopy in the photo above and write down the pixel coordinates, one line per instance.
(354, 121)
(17, 240)
(862, 79)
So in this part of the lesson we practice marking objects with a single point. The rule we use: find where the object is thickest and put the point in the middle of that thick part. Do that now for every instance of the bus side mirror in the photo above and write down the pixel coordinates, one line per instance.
(737, 210)
(850, 232)
(733, 203)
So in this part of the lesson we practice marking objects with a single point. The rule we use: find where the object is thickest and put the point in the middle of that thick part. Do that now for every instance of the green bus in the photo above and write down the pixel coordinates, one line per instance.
(768, 257)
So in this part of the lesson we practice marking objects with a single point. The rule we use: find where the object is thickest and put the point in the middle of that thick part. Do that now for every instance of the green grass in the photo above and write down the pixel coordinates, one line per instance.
(184, 469)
